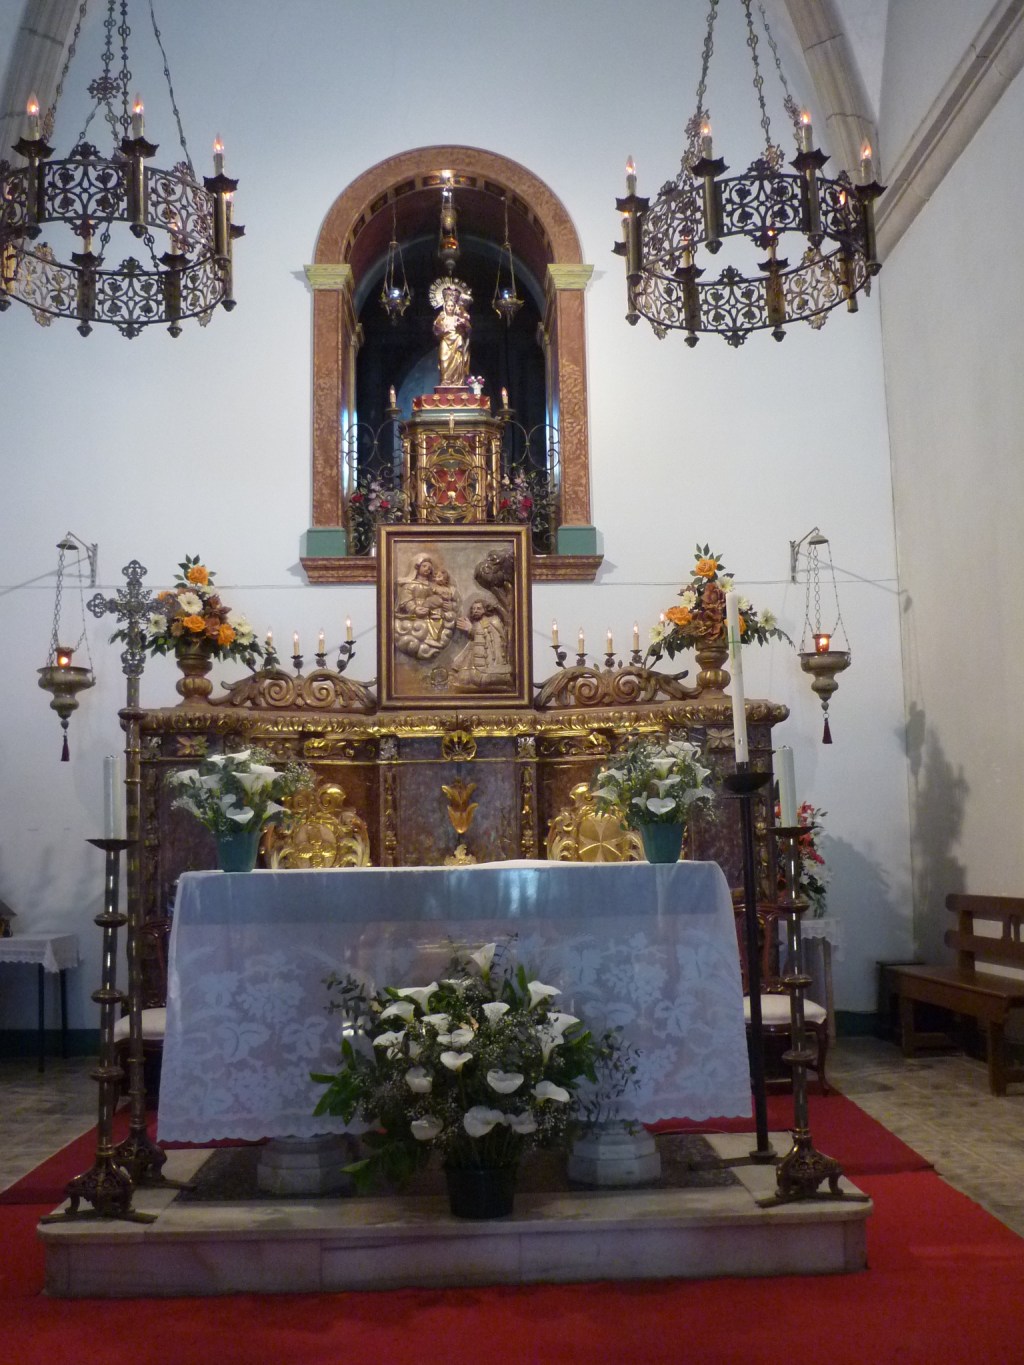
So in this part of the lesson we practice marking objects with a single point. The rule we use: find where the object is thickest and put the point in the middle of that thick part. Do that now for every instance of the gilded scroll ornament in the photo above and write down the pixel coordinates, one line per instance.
(592, 687)
(582, 834)
(323, 832)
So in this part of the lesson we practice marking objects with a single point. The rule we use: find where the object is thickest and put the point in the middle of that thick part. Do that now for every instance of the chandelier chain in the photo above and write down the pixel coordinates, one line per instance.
(51, 113)
(791, 106)
(693, 128)
(758, 78)
(124, 33)
(170, 90)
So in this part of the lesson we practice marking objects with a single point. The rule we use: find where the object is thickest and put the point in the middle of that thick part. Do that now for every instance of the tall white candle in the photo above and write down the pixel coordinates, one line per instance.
(113, 798)
(739, 707)
(785, 773)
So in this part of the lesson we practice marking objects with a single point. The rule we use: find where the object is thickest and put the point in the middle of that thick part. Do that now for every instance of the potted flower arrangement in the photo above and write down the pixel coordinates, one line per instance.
(234, 796)
(814, 876)
(377, 499)
(480, 1067)
(191, 622)
(655, 785)
(698, 621)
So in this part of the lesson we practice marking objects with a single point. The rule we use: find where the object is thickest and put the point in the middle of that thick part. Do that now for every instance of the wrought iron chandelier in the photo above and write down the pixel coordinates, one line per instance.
(87, 193)
(701, 208)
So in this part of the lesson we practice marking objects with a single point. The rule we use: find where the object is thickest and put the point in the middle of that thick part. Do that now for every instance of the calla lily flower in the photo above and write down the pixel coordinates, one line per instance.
(494, 1009)
(504, 1082)
(549, 1040)
(558, 1023)
(425, 1130)
(522, 1123)
(657, 805)
(538, 991)
(402, 1009)
(479, 1120)
(455, 1061)
(244, 816)
(419, 1080)
(437, 1021)
(413, 1049)
(421, 994)
(483, 957)
(389, 1039)
(462, 1037)
(547, 1090)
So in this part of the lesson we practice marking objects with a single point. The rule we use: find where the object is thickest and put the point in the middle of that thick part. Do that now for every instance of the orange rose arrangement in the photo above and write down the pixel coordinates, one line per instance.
(700, 616)
(191, 614)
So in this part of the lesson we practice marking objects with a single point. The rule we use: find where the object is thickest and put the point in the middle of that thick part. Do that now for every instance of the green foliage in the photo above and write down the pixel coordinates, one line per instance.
(654, 782)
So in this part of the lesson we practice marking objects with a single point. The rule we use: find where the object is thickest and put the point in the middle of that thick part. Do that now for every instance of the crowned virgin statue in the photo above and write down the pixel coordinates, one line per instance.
(452, 328)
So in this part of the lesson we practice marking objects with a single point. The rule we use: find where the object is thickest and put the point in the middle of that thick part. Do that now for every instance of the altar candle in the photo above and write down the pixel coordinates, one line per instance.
(580, 645)
(609, 647)
(295, 643)
(320, 643)
(348, 629)
(739, 709)
(787, 786)
(113, 798)
(138, 117)
(218, 156)
(554, 634)
(32, 118)
(636, 634)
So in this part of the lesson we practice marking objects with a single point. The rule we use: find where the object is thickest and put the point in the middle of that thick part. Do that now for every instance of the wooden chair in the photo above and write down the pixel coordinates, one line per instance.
(153, 949)
(775, 1006)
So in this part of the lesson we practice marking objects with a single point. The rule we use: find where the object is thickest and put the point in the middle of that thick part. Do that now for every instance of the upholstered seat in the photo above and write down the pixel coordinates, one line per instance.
(776, 1019)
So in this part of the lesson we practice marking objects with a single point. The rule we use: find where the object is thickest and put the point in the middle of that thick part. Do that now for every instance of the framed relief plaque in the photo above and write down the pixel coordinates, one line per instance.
(454, 613)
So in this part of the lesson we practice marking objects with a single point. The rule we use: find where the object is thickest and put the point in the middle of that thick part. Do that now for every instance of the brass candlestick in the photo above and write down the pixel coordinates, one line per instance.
(107, 1185)
(803, 1168)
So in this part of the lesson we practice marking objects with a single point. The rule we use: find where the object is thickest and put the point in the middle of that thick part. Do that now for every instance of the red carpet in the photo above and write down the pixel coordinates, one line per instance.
(945, 1287)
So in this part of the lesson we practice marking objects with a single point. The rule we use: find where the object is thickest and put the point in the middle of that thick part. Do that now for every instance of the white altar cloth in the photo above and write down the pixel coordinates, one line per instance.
(650, 948)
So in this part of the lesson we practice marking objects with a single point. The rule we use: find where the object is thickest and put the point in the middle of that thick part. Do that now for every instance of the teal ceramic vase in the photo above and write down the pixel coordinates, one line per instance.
(662, 843)
(237, 852)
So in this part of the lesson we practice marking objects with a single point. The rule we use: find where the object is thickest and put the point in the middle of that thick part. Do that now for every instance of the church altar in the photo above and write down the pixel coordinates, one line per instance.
(649, 948)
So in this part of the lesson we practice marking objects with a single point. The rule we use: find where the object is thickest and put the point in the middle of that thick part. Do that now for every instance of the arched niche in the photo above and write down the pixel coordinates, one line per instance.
(352, 239)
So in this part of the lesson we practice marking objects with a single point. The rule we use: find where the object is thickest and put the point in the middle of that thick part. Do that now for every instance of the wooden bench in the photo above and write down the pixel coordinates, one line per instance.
(970, 987)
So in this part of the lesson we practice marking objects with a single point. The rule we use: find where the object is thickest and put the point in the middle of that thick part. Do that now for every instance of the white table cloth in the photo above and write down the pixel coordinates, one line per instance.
(52, 952)
(650, 948)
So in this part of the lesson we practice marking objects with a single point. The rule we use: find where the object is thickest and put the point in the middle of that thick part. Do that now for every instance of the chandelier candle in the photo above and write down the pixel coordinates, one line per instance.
(739, 709)
(787, 786)
(348, 629)
(138, 117)
(554, 634)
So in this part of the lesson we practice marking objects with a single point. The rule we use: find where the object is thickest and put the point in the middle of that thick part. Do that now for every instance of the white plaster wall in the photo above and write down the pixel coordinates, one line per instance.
(157, 448)
(925, 39)
(951, 301)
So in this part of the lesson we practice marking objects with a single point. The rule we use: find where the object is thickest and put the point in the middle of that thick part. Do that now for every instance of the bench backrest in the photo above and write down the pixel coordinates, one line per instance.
(1007, 949)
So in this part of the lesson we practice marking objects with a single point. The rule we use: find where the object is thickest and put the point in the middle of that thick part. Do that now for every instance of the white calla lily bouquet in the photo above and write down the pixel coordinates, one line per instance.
(481, 1067)
(229, 793)
(654, 781)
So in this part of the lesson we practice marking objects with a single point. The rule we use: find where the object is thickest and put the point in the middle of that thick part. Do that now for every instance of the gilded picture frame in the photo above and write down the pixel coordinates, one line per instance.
(453, 606)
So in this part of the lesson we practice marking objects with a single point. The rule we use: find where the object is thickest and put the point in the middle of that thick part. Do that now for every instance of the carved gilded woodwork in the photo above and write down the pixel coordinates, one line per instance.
(626, 686)
(323, 831)
(583, 834)
(322, 690)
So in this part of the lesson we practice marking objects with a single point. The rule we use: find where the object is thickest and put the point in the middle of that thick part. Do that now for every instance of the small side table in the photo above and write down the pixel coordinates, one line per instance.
(50, 953)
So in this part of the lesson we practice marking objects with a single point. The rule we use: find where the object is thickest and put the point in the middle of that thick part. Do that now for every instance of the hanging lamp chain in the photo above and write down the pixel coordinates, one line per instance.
(51, 113)
(790, 104)
(772, 153)
(170, 91)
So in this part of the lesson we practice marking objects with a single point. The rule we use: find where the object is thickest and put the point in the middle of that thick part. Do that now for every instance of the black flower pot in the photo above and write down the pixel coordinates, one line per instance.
(481, 1191)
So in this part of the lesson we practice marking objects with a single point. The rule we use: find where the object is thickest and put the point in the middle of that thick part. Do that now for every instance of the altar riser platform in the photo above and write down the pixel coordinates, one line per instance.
(330, 1245)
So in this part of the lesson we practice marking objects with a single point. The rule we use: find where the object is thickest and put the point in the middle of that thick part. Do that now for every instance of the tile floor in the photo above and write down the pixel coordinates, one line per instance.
(939, 1104)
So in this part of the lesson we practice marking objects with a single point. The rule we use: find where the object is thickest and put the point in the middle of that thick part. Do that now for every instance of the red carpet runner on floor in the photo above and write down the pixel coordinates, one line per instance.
(945, 1286)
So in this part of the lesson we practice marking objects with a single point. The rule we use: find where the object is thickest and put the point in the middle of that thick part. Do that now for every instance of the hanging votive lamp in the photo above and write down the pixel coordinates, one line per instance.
(506, 301)
(395, 294)
(60, 676)
(823, 660)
